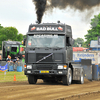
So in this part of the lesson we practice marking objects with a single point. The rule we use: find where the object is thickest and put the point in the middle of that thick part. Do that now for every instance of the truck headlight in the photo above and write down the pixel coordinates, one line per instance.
(29, 66)
(60, 66)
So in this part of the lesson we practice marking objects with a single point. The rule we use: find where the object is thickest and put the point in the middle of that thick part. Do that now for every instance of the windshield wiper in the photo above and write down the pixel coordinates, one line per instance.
(32, 48)
(56, 47)
(46, 47)
(36, 47)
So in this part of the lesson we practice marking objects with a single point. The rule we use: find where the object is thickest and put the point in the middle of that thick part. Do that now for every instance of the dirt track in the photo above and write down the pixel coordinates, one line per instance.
(49, 91)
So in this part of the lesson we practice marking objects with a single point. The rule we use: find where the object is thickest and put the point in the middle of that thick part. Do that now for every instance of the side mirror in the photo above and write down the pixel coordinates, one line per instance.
(71, 40)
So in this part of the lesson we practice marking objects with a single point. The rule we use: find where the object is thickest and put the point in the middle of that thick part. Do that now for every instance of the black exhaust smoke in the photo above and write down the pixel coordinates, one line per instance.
(40, 8)
(76, 4)
(81, 5)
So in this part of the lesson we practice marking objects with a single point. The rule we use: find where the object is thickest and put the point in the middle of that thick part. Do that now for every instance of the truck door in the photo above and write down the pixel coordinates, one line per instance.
(69, 51)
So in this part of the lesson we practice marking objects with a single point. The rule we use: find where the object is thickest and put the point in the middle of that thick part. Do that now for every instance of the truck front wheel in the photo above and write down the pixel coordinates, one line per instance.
(67, 79)
(32, 79)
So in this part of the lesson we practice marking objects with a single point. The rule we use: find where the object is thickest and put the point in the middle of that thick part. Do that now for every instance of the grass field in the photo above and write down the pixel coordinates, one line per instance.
(9, 76)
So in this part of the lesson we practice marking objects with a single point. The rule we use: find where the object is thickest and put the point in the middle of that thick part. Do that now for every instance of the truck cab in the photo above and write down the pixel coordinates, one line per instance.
(49, 54)
(12, 48)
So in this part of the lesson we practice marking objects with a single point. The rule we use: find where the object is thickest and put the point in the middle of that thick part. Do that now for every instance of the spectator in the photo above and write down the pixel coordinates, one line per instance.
(9, 61)
(8, 58)
(15, 61)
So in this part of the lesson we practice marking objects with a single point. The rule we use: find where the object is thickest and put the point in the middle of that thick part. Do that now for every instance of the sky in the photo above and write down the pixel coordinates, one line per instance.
(21, 13)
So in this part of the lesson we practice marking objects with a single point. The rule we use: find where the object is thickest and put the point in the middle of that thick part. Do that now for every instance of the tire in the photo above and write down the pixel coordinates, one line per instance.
(45, 81)
(32, 79)
(67, 79)
(81, 78)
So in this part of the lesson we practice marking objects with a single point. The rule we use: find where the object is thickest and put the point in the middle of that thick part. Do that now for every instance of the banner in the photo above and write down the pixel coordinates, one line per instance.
(77, 56)
(4, 68)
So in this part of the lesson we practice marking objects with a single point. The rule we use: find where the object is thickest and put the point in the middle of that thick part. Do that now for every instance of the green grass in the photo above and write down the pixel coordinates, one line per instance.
(9, 76)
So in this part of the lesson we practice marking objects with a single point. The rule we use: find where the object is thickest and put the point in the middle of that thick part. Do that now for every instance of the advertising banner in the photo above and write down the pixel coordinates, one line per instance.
(77, 56)
(4, 68)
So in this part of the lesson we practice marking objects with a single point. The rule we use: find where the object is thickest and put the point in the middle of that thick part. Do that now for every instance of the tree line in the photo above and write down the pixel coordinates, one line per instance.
(92, 33)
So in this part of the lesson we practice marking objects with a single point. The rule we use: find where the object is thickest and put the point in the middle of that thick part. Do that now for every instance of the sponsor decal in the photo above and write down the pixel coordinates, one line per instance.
(29, 43)
(33, 28)
(47, 28)
(60, 28)
(45, 36)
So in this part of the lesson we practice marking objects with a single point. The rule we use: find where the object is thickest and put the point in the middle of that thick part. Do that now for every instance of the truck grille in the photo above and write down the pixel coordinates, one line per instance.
(40, 56)
(31, 58)
(44, 67)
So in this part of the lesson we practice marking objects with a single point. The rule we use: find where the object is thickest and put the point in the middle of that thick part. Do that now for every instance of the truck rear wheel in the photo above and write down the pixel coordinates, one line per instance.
(32, 79)
(67, 79)
(81, 81)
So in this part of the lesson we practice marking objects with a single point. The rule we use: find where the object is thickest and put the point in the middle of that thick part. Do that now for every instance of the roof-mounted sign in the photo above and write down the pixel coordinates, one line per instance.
(47, 28)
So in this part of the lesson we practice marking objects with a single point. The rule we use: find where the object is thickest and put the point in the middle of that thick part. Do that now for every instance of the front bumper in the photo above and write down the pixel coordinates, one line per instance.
(45, 69)
(45, 72)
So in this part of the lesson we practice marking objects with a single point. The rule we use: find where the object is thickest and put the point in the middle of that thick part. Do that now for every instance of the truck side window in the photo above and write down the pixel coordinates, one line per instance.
(67, 41)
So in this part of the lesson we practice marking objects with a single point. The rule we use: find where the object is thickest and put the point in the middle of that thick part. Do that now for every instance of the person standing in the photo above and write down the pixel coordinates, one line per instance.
(9, 61)
(8, 58)
(15, 63)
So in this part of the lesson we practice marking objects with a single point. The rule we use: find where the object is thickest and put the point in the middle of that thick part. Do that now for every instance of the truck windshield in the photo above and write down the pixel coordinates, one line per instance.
(46, 41)
(14, 48)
